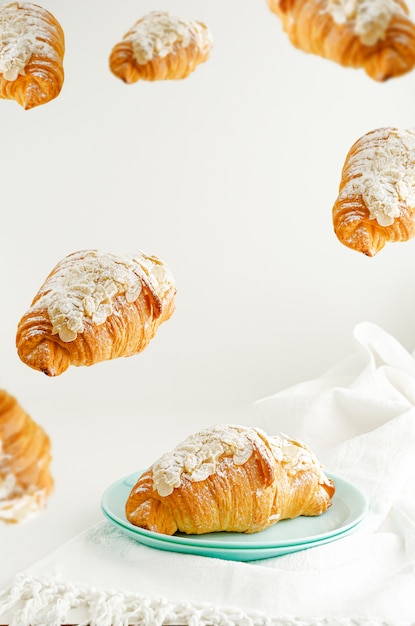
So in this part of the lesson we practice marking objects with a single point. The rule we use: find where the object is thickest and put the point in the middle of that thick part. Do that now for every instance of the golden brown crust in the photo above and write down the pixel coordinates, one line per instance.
(174, 66)
(236, 498)
(174, 62)
(127, 331)
(311, 28)
(25, 455)
(43, 75)
(353, 223)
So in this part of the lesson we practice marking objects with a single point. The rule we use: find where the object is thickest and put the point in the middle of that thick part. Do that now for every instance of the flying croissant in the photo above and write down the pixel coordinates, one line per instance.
(95, 306)
(376, 35)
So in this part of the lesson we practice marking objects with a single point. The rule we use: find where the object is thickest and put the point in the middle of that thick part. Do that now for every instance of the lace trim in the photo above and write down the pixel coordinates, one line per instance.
(49, 602)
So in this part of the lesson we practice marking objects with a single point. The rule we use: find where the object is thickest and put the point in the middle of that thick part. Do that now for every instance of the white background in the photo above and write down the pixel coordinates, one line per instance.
(228, 176)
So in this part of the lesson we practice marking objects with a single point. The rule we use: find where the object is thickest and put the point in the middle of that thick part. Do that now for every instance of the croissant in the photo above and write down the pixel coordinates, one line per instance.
(376, 35)
(32, 46)
(25, 478)
(93, 307)
(229, 478)
(160, 46)
(376, 201)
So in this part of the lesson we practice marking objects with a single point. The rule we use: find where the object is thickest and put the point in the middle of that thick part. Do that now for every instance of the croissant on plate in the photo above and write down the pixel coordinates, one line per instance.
(376, 35)
(229, 478)
(95, 306)
(32, 47)
(376, 201)
(160, 46)
(25, 478)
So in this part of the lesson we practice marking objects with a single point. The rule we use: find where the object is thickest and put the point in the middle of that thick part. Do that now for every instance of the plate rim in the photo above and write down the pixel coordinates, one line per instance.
(194, 540)
(235, 554)
(273, 549)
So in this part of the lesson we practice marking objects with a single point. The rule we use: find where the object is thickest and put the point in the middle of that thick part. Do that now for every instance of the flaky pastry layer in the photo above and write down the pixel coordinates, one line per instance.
(376, 200)
(160, 47)
(25, 457)
(118, 323)
(311, 27)
(235, 496)
(32, 47)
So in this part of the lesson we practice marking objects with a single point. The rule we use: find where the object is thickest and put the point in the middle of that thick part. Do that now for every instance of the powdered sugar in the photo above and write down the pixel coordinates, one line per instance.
(21, 506)
(199, 455)
(158, 33)
(370, 18)
(7, 485)
(157, 274)
(382, 171)
(23, 33)
(83, 287)
(295, 456)
(16, 504)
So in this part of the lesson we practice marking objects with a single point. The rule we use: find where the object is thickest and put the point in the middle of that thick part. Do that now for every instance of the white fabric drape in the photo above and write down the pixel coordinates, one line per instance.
(359, 418)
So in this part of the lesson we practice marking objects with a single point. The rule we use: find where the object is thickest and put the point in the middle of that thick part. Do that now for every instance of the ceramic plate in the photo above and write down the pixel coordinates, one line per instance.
(348, 509)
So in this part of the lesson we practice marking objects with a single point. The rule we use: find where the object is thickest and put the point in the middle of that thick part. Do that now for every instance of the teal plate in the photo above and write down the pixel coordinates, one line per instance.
(348, 509)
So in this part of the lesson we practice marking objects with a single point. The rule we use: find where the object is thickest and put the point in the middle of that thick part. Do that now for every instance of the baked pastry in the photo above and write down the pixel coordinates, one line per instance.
(376, 35)
(160, 46)
(376, 201)
(32, 47)
(25, 478)
(93, 307)
(229, 478)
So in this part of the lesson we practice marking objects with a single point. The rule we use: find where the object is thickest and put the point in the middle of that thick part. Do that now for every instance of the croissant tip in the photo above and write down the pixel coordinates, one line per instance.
(388, 64)
(30, 103)
(371, 250)
(49, 372)
(126, 78)
(45, 357)
(36, 96)
(362, 247)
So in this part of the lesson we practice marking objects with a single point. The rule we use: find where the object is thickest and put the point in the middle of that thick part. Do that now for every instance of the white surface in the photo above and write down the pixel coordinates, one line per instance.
(229, 177)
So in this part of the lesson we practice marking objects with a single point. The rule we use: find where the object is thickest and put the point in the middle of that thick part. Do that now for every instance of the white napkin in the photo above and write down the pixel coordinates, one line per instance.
(360, 420)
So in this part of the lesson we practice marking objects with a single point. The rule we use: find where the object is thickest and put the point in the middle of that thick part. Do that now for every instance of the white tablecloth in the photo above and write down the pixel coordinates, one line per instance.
(360, 420)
